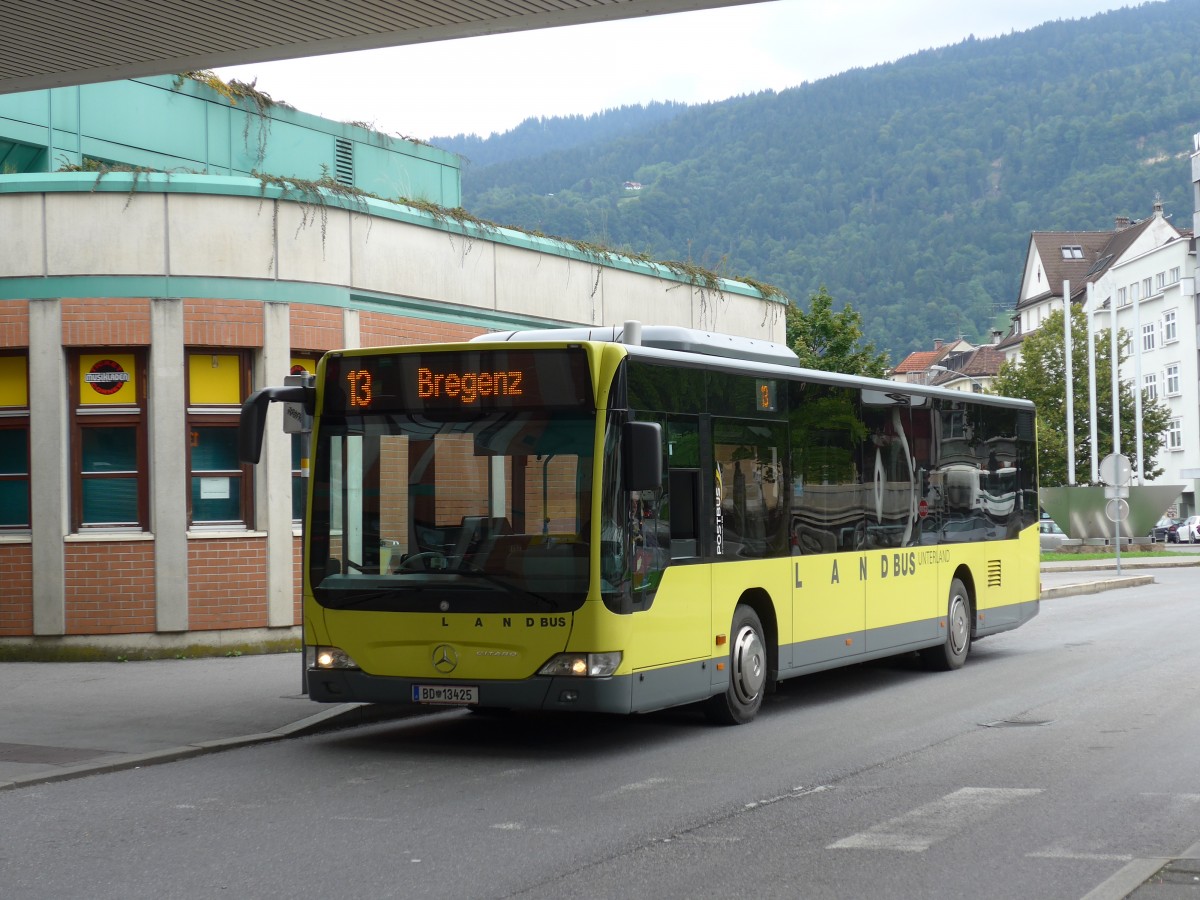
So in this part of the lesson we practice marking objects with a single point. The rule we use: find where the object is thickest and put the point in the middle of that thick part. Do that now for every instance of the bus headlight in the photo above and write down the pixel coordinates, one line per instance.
(583, 665)
(328, 658)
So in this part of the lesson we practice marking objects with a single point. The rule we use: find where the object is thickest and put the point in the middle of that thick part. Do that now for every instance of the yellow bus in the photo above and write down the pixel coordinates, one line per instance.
(629, 518)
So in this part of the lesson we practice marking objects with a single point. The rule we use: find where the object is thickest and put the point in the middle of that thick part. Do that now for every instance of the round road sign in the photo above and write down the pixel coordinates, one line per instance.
(1117, 510)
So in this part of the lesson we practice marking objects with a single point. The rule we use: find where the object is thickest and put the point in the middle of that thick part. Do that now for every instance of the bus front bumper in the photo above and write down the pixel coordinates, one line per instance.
(606, 695)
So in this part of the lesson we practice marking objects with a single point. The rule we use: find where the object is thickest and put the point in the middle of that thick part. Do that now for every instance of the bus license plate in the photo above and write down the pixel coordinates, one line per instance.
(448, 694)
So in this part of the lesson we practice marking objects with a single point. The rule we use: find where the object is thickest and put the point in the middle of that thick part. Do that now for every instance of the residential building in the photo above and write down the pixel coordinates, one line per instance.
(1154, 294)
(1055, 259)
(915, 368)
(1146, 270)
(971, 370)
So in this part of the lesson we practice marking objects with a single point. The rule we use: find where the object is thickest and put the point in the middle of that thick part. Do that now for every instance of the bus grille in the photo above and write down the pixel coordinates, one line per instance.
(995, 578)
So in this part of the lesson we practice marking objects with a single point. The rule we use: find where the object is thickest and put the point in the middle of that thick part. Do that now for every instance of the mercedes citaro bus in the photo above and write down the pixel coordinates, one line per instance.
(628, 518)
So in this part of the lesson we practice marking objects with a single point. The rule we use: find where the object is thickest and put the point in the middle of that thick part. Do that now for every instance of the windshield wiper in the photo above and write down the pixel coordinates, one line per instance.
(472, 570)
(350, 599)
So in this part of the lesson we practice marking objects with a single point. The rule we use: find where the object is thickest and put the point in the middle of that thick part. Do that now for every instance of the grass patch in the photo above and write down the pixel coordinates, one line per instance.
(39, 651)
(1125, 554)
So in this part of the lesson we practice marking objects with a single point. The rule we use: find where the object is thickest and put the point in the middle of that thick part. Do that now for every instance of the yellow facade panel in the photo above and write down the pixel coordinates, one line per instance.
(14, 381)
(214, 379)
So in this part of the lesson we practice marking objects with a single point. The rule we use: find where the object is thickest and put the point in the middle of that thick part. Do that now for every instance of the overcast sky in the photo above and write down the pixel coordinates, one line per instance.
(491, 84)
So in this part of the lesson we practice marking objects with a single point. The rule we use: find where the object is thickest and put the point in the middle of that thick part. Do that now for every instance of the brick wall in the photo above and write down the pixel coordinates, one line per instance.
(105, 322)
(109, 587)
(393, 490)
(315, 328)
(381, 330)
(560, 499)
(222, 323)
(16, 590)
(227, 583)
(14, 323)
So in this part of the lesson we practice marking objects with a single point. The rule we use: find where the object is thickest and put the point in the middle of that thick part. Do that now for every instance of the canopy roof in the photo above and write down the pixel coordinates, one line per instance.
(67, 42)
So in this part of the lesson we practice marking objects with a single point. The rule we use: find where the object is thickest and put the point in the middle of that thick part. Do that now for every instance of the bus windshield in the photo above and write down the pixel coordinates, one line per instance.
(486, 512)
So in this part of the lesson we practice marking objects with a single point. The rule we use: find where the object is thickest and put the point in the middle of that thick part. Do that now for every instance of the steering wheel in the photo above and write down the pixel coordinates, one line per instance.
(426, 557)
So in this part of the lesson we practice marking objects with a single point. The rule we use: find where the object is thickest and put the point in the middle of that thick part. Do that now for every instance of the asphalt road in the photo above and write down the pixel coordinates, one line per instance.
(1059, 754)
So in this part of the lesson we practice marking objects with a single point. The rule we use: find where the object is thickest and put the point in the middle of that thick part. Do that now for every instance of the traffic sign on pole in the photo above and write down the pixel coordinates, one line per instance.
(1115, 469)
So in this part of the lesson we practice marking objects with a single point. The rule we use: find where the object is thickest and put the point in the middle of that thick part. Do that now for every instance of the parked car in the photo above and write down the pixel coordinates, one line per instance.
(1051, 535)
(1188, 531)
(1165, 531)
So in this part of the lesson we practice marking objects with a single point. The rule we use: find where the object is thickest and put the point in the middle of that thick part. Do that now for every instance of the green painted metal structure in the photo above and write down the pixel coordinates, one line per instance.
(180, 125)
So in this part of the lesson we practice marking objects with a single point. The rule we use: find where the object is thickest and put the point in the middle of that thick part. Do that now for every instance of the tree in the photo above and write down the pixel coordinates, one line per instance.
(832, 342)
(1040, 376)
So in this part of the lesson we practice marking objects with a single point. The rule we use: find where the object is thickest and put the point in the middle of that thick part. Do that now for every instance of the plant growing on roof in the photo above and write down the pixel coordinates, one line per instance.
(235, 91)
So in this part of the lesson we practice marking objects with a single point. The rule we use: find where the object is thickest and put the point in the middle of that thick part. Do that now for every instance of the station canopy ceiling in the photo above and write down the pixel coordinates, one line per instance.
(52, 43)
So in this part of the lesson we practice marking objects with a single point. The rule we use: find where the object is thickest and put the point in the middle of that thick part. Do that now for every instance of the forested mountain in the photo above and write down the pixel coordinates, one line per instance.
(909, 189)
(539, 136)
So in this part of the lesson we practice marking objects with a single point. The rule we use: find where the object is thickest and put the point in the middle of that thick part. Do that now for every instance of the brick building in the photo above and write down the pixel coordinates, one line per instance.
(138, 309)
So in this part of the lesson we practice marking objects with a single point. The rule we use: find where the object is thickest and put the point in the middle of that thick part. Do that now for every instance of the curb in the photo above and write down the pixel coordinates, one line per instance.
(1189, 562)
(1127, 881)
(1095, 587)
(346, 715)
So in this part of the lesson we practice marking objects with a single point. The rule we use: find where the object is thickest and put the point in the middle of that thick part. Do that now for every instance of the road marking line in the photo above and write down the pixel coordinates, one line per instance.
(521, 826)
(800, 791)
(917, 831)
(634, 786)
(1084, 857)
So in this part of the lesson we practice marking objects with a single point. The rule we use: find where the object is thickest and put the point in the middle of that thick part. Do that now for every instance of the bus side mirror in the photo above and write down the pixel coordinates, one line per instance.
(642, 455)
(253, 419)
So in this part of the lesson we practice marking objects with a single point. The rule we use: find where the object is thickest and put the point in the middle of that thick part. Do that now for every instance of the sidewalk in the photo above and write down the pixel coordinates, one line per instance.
(67, 720)
(1070, 579)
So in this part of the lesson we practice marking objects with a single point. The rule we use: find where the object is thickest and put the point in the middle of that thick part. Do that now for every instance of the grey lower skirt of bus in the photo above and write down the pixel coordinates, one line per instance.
(612, 695)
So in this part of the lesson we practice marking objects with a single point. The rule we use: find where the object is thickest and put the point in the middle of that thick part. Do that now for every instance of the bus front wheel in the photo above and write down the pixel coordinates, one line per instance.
(952, 653)
(747, 662)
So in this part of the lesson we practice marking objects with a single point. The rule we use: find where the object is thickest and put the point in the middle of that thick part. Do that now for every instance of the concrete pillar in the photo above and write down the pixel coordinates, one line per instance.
(169, 481)
(49, 464)
(351, 329)
(273, 475)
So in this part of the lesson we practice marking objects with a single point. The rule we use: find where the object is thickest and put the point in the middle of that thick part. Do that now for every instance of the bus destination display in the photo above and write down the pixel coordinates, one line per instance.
(459, 381)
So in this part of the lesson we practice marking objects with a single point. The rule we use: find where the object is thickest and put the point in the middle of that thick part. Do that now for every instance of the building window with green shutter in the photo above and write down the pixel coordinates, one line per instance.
(220, 486)
(14, 443)
(14, 475)
(108, 441)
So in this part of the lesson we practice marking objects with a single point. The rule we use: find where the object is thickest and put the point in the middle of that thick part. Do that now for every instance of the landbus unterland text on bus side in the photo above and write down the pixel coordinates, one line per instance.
(625, 519)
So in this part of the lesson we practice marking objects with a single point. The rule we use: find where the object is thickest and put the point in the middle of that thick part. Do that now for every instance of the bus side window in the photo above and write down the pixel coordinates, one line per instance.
(685, 529)
(749, 461)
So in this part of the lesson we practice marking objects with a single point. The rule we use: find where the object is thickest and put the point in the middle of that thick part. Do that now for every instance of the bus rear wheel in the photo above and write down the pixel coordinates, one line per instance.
(952, 653)
(739, 702)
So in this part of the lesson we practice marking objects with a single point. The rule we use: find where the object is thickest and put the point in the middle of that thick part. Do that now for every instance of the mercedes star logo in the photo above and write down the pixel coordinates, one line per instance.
(445, 659)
